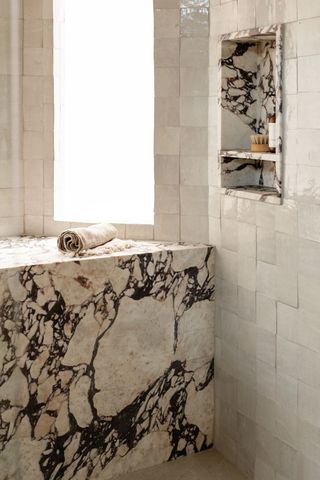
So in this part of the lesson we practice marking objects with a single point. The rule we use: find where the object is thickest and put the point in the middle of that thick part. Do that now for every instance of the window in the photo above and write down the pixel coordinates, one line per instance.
(104, 111)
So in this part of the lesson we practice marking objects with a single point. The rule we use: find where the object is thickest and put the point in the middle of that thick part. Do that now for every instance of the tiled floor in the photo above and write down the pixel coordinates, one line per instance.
(208, 465)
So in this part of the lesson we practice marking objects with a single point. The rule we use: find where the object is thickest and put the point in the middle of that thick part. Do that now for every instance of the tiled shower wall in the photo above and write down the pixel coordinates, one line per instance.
(181, 121)
(268, 264)
(11, 166)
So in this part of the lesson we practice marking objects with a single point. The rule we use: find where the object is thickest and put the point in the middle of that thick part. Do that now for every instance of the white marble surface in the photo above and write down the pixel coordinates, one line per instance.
(104, 361)
(28, 250)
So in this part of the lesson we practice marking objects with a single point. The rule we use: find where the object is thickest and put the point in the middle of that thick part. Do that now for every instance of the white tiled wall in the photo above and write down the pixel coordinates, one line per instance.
(268, 328)
(181, 132)
(11, 166)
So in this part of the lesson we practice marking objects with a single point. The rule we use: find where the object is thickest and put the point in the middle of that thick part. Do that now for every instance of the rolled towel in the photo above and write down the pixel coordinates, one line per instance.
(76, 240)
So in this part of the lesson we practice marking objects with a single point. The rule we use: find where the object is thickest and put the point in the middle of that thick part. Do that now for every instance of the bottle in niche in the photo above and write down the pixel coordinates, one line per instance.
(272, 133)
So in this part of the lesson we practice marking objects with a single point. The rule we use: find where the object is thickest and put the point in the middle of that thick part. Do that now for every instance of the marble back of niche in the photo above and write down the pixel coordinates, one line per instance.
(106, 364)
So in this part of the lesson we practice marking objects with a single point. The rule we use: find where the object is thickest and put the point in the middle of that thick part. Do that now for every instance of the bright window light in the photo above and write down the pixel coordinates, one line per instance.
(104, 111)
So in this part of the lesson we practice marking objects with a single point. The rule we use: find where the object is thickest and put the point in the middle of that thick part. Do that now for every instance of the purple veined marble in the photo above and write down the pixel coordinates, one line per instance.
(250, 93)
(106, 364)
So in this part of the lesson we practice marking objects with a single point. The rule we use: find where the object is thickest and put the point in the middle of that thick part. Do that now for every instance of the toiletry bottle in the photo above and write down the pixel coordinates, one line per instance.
(272, 133)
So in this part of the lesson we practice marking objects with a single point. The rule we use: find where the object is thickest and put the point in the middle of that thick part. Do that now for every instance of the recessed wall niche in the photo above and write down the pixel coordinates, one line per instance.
(250, 100)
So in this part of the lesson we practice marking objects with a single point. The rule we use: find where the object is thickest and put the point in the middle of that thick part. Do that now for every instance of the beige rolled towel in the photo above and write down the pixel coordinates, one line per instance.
(76, 240)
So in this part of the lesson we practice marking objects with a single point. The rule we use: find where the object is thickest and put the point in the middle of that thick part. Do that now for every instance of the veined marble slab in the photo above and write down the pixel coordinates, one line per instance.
(250, 93)
(27, 250)
(106, 363)
(252, 192)
(265, 156)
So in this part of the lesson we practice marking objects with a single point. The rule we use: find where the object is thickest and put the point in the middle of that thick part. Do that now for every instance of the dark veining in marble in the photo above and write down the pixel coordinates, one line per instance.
(238, 84)
(238, 172)
(100, 441)
(38, 329)
(248, 83)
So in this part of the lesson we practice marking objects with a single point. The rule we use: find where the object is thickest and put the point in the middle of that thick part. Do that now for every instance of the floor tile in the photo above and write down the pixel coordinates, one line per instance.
(208, 465)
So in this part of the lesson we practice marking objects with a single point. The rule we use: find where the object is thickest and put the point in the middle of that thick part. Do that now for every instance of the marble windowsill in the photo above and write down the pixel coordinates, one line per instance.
(247, 154)
(27, 250)
(260, 194)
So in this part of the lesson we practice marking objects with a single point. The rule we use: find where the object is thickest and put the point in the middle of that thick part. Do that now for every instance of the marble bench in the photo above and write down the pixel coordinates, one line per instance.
(106, 363)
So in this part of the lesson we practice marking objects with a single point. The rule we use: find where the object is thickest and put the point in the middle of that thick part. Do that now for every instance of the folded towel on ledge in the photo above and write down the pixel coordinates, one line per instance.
(76, 240)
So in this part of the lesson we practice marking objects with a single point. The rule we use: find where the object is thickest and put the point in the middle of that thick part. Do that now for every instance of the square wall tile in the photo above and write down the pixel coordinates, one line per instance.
(33, 33)
(308, 111)
(34, 201)
(194, 82)
(228, 207)
(266, 346)
(33, 8)
(246, 14)
(290, 40)
(287, 357)
(167, 227)
(229, 236)
(47, 10)
(265, 215)
(286, 11)
(166, 170)
(246, 211)
(247, 304)
(193, 170)
(33, 145)
(166, 52)
(266, 312)
(194, 22)
(308, 405)
(194, 111)
(194, 228)
(167, 82)
(287, 251)
(290, 76)
(266, 245)
(309, 221)
(140, 232)
(11, 202)
(167, 112)
(194, 200)
(194, 52)
(309, 73)
(33, 173)
(226, 266)
(228, 18)
(247, 272)
(309, 36)
(33, 91)
(286, 218)
(33, 225)
(247, 240)
(194, 141)
(287, 286)
(33, 118)
(309, 258)
(265, 12)
(166, 23)
(266, 279)
(308, 9)
(167, 199)
(167, 140)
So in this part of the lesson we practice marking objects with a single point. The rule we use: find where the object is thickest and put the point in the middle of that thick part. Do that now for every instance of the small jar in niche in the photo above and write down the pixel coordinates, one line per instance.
(272, 133)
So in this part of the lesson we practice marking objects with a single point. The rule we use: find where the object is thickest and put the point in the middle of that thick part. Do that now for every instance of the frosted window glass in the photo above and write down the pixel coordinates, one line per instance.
(104, 111)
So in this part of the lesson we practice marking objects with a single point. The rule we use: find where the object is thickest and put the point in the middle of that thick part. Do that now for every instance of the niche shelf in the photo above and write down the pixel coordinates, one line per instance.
(250, 93)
